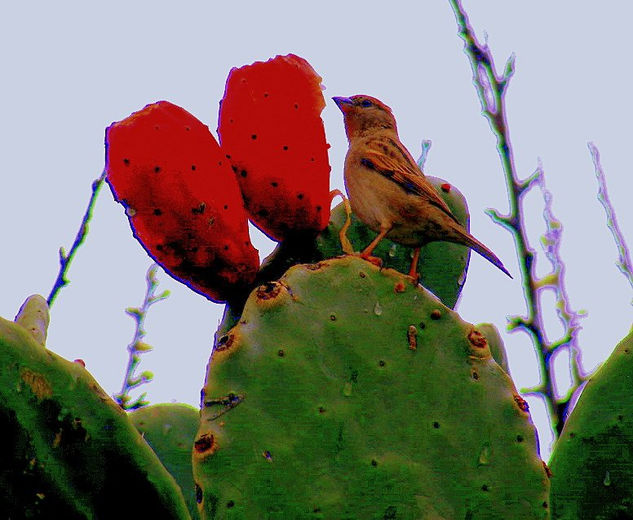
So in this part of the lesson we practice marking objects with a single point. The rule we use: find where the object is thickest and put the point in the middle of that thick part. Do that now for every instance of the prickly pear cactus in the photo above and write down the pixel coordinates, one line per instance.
(592, 463)
(346, 392)
(442, 265)
(68, 450)
(170, 429)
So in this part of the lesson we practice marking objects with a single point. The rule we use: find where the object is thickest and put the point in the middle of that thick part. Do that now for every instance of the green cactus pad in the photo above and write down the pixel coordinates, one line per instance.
(345, 392)
(34, 317)
(592, 463)
(69, 451)
(170, 429)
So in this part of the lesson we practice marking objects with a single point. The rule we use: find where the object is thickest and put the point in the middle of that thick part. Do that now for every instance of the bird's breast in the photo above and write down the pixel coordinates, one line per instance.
(377, 200)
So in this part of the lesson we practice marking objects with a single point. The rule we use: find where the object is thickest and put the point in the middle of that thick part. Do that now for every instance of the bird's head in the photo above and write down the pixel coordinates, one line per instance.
(364, 114)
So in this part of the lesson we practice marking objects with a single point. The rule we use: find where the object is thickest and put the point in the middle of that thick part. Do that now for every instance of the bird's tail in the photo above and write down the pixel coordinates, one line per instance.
(476, 245)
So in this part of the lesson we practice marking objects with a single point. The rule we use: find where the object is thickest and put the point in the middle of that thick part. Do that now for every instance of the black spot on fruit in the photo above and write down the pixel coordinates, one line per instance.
(199, 210)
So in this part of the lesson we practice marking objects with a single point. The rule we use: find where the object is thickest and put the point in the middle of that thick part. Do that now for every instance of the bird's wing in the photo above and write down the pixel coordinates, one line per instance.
(388, 157)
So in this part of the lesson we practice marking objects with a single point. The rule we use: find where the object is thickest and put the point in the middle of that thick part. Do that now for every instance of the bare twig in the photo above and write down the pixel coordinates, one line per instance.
(426, 147)
(138, 346)
(624, 259)
(570, 320)
(491, 88)
(64, 258)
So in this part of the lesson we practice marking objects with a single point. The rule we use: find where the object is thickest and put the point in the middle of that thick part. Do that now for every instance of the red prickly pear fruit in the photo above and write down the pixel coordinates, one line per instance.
(270, 127)
(182, 199)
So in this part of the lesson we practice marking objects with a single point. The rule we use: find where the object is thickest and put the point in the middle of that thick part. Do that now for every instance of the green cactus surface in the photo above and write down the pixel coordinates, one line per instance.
(592, 462)
(69, 451)
(170, 429)
(345, 392)
(34, 317)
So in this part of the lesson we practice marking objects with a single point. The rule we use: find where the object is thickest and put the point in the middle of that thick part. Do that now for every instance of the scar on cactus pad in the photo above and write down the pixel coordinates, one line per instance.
(182, 200)
(271, 129)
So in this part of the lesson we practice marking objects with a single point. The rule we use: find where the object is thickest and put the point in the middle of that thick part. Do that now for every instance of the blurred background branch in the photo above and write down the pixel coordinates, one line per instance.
(66, 258)
(624, 258)
(138, 346)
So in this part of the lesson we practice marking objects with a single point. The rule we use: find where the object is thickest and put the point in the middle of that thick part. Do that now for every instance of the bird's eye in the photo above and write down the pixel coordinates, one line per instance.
(365, 103)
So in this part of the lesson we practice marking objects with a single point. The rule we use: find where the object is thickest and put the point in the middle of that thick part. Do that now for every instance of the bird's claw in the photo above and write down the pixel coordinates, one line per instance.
(373, 259)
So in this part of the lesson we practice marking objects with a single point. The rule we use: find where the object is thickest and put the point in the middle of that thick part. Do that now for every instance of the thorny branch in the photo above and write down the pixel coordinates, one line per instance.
(491, 88)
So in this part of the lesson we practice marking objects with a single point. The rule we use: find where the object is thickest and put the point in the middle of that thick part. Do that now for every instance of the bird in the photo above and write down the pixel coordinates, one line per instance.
(388, 191)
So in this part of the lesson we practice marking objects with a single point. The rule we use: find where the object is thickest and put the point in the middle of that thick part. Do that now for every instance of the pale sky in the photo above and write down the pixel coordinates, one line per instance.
(69, 69)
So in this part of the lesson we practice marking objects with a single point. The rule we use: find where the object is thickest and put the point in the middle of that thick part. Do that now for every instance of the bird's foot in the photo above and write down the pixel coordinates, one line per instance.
(373, 259)
(414, 275)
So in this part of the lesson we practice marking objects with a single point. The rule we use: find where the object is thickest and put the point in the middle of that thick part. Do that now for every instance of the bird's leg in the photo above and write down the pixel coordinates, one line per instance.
(366, 254)
(413, 272)
(346, 245)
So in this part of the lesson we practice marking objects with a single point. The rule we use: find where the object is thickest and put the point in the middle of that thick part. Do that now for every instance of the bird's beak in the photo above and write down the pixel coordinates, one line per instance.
(343, 103)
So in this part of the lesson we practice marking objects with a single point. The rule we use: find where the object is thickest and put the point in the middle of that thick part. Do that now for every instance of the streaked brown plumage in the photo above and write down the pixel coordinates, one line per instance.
(388, 191)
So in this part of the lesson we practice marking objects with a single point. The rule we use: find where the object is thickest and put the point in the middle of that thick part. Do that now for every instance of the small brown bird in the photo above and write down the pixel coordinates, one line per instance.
(388, 191)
